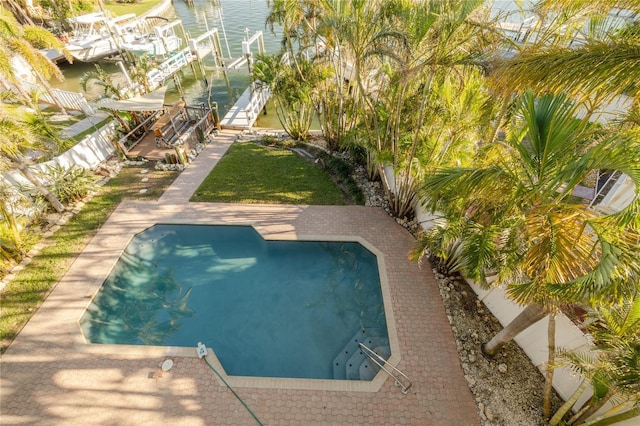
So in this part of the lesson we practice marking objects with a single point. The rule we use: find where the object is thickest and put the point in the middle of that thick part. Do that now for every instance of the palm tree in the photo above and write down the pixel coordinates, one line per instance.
(513, 214)
(613, 370)
(103, 79)
(15, 141)
(607, 64)
(293, 96)
(16, 40)
(440, 53)
(111, 89)
(358, 37)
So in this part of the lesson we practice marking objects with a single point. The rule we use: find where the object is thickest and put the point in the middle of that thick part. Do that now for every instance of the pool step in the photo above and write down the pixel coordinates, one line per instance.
(369, 369)
(352, 364)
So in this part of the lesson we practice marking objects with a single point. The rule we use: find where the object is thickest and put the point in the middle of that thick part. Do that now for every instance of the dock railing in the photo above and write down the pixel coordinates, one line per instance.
(259, 96)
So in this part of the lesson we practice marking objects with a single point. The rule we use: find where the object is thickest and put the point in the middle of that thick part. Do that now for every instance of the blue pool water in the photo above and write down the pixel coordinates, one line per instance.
(267, 308)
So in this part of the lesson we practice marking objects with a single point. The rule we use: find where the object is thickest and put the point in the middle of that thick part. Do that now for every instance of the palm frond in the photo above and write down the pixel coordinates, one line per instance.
(597, 67)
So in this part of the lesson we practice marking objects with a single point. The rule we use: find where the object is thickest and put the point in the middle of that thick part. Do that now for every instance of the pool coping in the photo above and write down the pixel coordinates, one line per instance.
(81, 344)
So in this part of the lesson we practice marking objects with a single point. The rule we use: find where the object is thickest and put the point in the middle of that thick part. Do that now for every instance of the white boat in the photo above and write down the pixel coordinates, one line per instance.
(162, 41)
(152, 45)
(96, 36)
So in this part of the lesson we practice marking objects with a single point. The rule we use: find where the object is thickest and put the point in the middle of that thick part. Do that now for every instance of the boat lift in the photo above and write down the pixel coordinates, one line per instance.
(244, 113)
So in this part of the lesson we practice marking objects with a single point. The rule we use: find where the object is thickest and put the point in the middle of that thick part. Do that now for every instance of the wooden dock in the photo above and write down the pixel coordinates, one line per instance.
(148, 149)
(244, 113)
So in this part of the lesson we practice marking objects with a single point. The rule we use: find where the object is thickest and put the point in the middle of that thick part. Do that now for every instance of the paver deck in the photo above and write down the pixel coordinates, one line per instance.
(50, 376)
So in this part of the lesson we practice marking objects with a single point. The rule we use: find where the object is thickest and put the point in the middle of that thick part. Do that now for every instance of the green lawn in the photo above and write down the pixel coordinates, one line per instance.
(252, 173)
(119, 9)
(23, 295)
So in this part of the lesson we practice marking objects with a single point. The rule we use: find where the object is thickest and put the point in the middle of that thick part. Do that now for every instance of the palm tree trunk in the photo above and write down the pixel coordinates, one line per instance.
(604, 420)
(593, 408)
(569, 403)
(531, 315)
(53, 200)
(548, 377)
(20, 13)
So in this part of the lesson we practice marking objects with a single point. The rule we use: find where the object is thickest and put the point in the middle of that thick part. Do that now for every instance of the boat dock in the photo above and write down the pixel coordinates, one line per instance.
(518, 31)
(244, 113)
(197, 50)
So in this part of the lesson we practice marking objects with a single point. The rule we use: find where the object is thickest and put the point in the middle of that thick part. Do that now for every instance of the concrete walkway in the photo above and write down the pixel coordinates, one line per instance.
(190, 179)
(51, 376)
(88, 123)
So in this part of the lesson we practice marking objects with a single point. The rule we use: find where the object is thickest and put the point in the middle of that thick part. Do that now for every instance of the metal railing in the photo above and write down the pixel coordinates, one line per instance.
(258, 99)
(395, 372)
(602, 190)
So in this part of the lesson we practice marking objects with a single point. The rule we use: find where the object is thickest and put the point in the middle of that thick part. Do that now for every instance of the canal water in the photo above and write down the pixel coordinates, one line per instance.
(238, 17)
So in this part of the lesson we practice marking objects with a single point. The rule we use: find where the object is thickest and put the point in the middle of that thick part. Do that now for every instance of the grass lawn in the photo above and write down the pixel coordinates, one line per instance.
(25, 293)
(119, 9)
(251, 173)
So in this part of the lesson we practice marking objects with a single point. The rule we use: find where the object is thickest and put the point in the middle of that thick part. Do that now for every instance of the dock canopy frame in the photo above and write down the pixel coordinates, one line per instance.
(153, 101)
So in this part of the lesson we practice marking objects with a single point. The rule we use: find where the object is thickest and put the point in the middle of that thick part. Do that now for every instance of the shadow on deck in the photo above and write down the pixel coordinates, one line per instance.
(170, 134)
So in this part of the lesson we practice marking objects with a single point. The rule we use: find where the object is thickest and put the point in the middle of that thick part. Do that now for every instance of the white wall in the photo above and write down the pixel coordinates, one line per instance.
(533, 340)
(88, 153)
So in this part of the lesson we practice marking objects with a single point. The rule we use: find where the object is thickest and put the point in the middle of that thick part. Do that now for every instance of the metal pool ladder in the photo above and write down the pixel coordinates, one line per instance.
(400, 379)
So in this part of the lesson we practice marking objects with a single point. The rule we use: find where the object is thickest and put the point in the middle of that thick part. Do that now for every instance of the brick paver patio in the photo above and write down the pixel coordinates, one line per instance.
(50, 376)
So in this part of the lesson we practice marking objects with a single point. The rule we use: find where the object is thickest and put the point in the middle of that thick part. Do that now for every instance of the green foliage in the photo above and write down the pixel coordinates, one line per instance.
(102, 78)
(72, 184)
(10, 238)
(68, 9)
(138, 71)
(41, 38)
(293, 83)
(341, 172)
(515, 214)
(613, 368)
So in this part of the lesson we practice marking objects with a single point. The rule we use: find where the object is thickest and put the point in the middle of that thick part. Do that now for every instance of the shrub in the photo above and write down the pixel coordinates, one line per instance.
(70, 185)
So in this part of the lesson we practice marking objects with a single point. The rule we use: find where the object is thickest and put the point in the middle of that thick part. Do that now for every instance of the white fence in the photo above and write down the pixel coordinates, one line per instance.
(91, 151)
(69, 100)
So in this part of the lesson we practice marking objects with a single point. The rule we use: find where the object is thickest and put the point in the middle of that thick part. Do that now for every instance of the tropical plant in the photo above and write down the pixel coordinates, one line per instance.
(24, 42)
(355, 37)
(111, 89)
(436, 63)
(612, 370)
(513, 215)
(16, 140)
(293, 95)
(100, 77)
(139, 72)
(605, 64)
(10, 235)
(70, 184)
(297, 20)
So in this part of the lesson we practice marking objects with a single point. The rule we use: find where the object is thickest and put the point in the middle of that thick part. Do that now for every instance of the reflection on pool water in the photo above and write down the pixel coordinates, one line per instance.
(267, 308)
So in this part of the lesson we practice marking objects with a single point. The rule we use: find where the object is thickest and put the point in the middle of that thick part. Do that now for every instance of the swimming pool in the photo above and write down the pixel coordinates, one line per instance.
(292, 309)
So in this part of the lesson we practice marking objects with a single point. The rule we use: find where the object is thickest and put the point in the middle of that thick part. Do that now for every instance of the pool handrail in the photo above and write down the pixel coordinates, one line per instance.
(381, 362)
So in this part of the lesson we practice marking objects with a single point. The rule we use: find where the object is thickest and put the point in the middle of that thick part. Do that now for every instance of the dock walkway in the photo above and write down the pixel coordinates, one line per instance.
(244, 113)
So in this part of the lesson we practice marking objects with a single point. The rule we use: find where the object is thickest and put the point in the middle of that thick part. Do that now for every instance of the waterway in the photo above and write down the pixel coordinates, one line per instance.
(239, 18)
